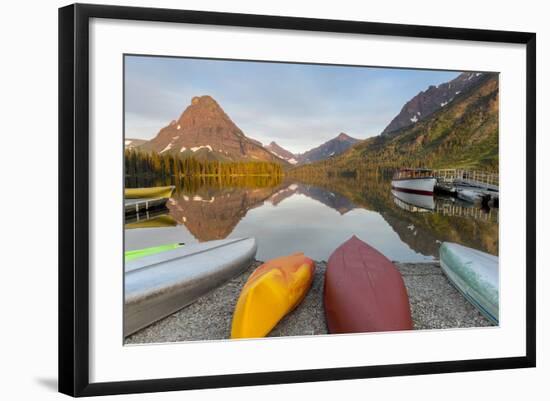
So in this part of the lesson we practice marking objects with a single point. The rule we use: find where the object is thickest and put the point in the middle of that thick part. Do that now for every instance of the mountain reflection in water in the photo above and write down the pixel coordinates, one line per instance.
(316, 217)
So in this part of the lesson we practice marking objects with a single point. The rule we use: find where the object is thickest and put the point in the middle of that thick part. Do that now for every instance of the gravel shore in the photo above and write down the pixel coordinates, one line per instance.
(435, 304)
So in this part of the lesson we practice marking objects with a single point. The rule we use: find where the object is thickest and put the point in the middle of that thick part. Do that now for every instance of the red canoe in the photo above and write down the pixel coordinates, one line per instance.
(364, 291)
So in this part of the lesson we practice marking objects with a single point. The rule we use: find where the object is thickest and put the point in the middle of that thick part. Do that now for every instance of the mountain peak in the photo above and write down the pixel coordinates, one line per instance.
(281, 152)
(205, 131)
(344, 137)
(204, 110)
(206, 99)
(204, 104)
(331, 148)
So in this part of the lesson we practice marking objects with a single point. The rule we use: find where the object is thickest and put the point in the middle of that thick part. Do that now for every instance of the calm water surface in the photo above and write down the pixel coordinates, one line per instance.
(314, 218)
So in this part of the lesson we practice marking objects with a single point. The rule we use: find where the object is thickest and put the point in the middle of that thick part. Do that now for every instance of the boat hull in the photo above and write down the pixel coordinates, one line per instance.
(152, 192)
(272, 291)
(161, 284)
(420, 186)
(475, 274)
(413, 202)
(364, 291)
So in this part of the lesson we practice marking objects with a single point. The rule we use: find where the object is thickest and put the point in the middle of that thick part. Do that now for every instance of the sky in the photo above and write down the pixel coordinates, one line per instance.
(299, 106)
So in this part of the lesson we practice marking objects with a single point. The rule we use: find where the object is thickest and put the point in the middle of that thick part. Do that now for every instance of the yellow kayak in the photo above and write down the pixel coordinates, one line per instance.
(273, 290)
(152, 192)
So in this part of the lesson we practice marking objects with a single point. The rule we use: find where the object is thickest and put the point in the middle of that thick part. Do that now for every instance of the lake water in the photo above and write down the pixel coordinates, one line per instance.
(314, 217)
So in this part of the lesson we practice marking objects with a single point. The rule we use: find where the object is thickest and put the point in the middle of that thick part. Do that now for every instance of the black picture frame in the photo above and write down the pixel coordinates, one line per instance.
(74, 198)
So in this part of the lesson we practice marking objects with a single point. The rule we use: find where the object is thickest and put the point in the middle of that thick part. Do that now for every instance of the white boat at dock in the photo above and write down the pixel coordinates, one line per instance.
(414, 181)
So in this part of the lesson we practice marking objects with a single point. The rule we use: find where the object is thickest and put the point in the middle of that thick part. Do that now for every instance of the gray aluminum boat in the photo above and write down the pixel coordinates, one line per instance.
(161, 284)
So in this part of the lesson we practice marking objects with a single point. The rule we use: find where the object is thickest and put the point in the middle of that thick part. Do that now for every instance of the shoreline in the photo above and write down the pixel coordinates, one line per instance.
(435, 304)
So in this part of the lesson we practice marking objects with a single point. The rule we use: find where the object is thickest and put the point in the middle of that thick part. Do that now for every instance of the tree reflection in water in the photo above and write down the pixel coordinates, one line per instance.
(211, 208)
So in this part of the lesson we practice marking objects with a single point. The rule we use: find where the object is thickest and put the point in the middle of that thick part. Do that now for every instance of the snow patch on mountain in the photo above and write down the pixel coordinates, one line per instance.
(276, 154)
(196, 148)
(168, 147)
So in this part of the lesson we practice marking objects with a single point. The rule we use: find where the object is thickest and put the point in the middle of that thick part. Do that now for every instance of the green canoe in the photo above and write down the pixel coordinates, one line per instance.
(475, 274)
(140, 253)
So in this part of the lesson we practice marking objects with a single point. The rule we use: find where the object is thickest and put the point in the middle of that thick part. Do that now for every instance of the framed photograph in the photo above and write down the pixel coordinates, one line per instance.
(251, 199)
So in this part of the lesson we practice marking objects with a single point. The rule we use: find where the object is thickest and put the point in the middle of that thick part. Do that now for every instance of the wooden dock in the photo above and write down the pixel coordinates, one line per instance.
(465, 210)
(136, 206)
(469, 185)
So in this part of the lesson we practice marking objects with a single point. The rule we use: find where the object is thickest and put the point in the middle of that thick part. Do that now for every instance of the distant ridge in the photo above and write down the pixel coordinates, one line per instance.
(281, 152)
(432, 99)
(331, 148)
(130, 143)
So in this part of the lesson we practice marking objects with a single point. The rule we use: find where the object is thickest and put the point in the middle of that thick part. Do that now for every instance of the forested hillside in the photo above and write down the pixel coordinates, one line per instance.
(463, 134)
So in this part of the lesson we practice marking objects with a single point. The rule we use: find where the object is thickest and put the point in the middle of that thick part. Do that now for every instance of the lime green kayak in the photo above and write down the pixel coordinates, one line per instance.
(140, 253)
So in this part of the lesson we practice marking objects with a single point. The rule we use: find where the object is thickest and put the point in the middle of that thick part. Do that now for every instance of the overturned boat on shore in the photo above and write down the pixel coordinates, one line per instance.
(364, 291)
(162, 283)
(475, 274)
(271, 292)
